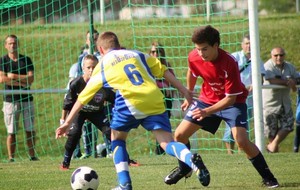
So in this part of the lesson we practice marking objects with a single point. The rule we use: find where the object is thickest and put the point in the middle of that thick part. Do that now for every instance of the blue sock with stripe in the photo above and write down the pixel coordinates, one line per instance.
(120, 157)
(181, 152)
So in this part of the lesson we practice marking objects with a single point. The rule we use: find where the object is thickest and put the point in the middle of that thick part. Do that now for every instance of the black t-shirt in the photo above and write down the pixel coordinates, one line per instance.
(20, 67)
(95, 105)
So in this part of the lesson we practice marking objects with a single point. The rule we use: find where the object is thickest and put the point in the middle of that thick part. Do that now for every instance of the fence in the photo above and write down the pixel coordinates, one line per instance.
(53, 32)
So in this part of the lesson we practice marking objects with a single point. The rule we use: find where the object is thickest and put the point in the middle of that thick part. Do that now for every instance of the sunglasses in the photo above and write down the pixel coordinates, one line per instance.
(276, 55)
(154, 51)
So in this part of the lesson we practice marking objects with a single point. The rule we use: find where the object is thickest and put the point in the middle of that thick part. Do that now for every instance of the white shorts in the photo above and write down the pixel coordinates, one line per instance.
(12, 112)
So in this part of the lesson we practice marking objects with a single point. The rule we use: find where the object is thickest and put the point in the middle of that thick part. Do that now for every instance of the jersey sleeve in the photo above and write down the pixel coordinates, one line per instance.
(71, 97)
(192, 59)
(157, 69)
(93, 86)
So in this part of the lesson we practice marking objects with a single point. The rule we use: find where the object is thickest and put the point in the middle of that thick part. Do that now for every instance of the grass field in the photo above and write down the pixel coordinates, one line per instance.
(227, 172)
(232, 172)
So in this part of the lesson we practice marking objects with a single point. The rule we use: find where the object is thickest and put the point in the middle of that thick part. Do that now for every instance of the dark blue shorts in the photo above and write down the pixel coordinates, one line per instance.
(234, 116)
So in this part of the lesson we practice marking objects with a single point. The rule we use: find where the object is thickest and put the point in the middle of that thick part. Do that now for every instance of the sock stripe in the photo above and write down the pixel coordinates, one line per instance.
(122, 166)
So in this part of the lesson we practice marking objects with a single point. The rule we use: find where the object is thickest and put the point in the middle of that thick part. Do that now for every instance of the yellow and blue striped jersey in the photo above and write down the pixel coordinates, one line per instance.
(131, 74)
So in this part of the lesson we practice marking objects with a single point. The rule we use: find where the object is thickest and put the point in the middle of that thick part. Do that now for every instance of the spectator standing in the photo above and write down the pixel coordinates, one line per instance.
(222, 97)
(158, 51)
(17, 73)
(138, 102)
(277, 105)
(243, 58)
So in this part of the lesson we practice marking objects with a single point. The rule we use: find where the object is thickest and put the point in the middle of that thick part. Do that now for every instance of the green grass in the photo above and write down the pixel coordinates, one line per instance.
(54, 48)
(232, 172)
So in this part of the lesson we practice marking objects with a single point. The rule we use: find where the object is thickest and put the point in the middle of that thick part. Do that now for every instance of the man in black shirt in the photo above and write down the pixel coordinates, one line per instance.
(17, 73)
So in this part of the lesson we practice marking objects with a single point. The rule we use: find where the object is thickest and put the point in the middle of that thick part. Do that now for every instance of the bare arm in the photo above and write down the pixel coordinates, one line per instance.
(4, 79)
(174, 82)
(16, 80)
(190, 80)
(25, 80)
(224, 103)
(291, 83)
(64, 115)
(277, 81)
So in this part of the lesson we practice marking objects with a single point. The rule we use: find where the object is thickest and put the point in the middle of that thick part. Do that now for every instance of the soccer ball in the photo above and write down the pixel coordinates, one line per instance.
(84, 178)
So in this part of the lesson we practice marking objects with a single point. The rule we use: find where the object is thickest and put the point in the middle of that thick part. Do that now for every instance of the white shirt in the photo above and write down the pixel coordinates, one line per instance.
(246, 74)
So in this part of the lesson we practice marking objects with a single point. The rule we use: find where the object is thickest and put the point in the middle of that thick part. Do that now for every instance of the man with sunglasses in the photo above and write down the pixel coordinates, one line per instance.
(277, 105)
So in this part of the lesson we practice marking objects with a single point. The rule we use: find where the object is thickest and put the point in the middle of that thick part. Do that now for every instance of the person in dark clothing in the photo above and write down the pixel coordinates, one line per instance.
(94, 111)
(17, 73)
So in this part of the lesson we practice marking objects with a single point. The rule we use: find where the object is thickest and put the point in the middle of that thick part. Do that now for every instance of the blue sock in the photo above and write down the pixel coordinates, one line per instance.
(181, 152)
(120, 157)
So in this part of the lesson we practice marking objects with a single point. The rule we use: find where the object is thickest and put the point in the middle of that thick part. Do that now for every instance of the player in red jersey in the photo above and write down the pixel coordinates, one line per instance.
(222, 97)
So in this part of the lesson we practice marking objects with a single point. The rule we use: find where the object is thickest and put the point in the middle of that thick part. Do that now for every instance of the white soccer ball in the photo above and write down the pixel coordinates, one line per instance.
(84, 178)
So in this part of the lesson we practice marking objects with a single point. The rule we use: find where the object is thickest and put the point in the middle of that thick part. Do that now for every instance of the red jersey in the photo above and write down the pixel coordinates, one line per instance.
(221, 77)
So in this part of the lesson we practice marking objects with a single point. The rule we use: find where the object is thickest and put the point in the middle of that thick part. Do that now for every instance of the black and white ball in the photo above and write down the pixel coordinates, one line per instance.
(84, 178)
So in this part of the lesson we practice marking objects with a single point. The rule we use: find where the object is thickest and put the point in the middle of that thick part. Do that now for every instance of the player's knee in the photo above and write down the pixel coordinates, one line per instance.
(179, 137)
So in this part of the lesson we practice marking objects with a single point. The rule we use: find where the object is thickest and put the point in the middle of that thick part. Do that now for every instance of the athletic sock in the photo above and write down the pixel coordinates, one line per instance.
(261, 166)
(120, 157)
(182, 153)
(182, 165)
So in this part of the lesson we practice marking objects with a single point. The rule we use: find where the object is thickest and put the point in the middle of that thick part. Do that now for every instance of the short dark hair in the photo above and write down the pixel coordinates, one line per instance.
(94, 31)
(10, 36)
(91, 57)
(206, 34)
